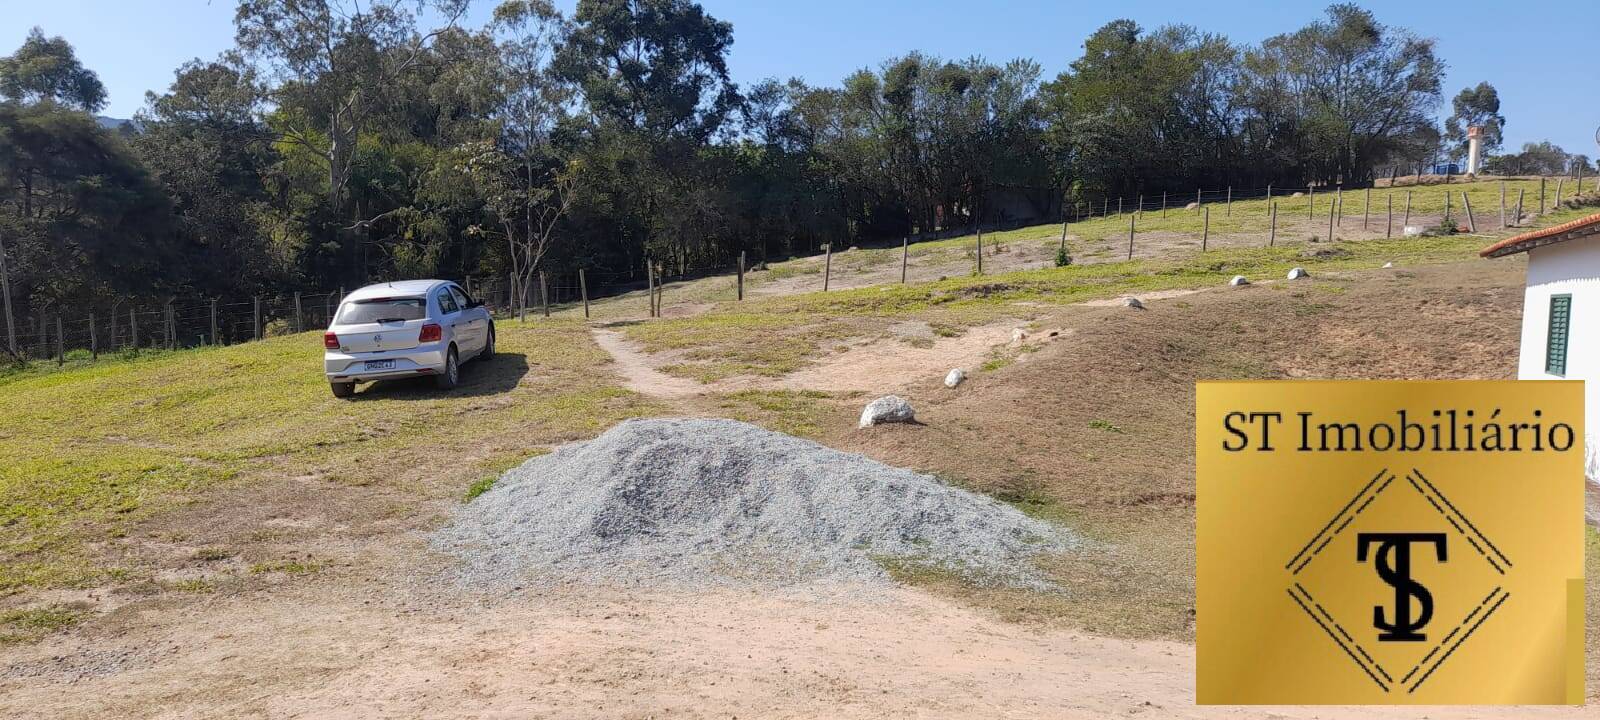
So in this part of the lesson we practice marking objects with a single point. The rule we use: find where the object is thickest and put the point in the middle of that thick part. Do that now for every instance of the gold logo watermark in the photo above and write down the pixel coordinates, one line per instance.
(1412, 542)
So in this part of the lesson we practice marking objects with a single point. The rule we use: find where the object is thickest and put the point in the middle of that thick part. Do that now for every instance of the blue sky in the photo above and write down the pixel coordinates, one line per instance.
(1543, 57)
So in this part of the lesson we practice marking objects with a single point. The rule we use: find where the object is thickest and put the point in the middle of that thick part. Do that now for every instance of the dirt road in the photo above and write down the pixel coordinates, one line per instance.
(367, 651)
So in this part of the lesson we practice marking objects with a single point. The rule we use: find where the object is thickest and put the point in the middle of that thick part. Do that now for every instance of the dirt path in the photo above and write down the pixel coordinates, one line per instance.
(330, 653)
(638, 371)
(879, 365)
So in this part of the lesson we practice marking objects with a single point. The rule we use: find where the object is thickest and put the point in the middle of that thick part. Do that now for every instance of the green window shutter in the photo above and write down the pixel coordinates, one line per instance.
(1555, 354)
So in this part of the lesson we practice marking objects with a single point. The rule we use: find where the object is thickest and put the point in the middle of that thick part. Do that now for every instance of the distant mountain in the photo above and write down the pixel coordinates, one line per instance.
(118, 124)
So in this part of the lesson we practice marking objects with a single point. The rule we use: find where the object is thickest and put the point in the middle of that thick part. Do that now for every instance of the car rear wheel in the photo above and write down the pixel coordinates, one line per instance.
(448, 379)
(488, 346)
(343, 389)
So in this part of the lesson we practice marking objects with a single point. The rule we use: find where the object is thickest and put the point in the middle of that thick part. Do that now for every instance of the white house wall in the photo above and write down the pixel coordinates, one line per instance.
(1568, 268)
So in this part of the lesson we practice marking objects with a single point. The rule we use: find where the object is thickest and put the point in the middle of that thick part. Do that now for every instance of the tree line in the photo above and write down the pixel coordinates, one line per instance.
(340, 142)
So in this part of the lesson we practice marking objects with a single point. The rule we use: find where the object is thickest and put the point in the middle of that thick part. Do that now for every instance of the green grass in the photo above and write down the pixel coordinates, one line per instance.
(479, 487)
(23, 625)
(287, 567)
(796, 412)
(1105, 426)
(89, 450)
(1253, 216)
(777, 335)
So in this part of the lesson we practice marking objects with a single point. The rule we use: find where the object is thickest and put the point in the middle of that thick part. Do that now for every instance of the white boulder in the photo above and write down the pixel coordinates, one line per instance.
(1298, 273)
(1412, 230)
(1388, 265)
(954, 378)
(1239, 280)
(887, 409)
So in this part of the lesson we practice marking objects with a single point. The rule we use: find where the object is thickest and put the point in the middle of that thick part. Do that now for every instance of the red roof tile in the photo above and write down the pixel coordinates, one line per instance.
(1534, 238)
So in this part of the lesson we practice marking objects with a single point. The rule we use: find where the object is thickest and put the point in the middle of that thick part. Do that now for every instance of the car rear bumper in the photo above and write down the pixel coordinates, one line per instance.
(411, 362)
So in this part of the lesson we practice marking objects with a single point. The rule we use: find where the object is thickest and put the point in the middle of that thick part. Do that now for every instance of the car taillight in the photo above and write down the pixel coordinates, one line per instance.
(430, 333)
(330, 341)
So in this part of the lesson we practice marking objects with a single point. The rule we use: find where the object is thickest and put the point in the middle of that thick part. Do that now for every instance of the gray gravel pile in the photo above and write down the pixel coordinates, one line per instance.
(692, 502)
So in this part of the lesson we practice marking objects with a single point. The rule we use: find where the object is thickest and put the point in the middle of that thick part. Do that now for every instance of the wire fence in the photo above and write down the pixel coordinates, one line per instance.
(123, 325)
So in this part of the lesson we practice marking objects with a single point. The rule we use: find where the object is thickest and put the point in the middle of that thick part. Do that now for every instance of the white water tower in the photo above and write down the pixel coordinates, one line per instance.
(1474, 149)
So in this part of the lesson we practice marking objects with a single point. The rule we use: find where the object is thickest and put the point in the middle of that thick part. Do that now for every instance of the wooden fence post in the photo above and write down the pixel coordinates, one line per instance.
(1197, 200)
(1063, 236)
(1140, 206)
(172, 325)
(1541, 194)
(1338, 204)
(1466, 204)
(1272, 232)
(5, 291)
(740, 296)
(583, 286)
(1561, 183)
(299, 317)
(1502, 204)
(1333, 208)
(1366, 208)
(1205, 228)
(1388, 221)
(216, 339)
(1229, 210)
(133, 328)
(1163, 204)
(1119, 208)
(980, 240)
(1407, 221)
(1269, 195)
(827, 262)
(650, 285)
(61, 343)
(905, 251)
(1520, 193)
(258, 316)
(1311, 202)
(94, 340)
(544, 292)
(111, 319)
(661, 290)
(1130, 237)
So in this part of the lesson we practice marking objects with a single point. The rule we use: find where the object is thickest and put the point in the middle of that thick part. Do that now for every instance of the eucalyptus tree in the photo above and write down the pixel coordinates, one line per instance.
(47, 69)
(1358, 88)
(326, 64)
(653, 78)
(1477, 106)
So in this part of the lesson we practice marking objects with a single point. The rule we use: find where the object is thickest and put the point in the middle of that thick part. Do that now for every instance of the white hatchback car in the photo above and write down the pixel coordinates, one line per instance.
(405, 329)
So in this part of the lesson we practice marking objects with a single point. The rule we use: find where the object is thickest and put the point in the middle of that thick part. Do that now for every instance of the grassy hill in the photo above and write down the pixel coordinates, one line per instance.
(199, 470)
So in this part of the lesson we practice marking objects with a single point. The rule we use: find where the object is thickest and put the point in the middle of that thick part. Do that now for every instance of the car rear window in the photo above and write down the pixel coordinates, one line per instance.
(383, 310)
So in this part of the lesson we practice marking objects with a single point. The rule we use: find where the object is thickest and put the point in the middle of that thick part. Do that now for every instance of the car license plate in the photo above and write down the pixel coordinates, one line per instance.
(380, 364)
